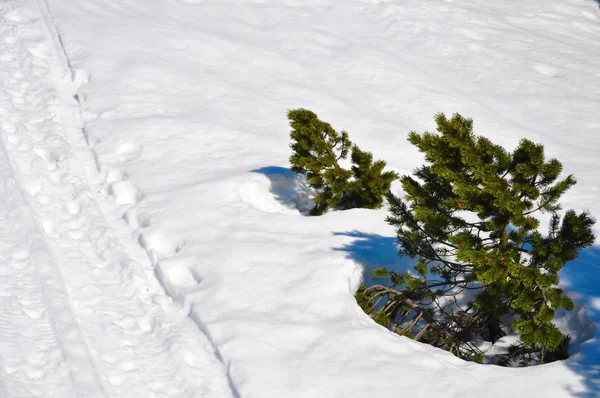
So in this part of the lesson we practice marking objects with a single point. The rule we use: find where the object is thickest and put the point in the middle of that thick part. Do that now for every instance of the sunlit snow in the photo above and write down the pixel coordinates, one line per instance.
(153, 239)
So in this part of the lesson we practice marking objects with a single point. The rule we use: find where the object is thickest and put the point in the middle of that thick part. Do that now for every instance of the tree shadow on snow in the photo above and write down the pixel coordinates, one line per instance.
(582, 279)
(288, 188)
(374, 251)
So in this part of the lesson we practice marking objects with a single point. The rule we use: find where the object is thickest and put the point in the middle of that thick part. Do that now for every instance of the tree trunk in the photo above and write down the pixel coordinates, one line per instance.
(494, 329)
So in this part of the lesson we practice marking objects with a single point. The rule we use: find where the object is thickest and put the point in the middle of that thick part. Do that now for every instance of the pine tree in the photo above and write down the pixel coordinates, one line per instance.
(469, 218)
(317, 150)
(370, 183)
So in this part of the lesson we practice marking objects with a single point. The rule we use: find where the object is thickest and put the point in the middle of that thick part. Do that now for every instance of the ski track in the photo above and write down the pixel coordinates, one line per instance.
(78, 315)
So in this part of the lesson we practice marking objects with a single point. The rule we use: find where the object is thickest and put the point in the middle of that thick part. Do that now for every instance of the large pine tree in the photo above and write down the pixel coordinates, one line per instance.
(483, 267)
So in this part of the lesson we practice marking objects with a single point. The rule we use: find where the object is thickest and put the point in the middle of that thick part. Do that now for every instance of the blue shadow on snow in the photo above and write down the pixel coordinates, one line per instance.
(374, 251)
(271, 171)
(582, 276)
(288, 188)
(283, 183)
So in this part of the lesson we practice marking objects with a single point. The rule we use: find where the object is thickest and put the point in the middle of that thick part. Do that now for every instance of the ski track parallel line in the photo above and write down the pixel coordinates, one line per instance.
(139, 344)
(38, 280)
(62, 54)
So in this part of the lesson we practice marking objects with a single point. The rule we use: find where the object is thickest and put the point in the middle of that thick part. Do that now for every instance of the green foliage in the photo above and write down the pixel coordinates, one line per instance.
(469, 217)
(362, 300)
(382, 318)
(318, 148)
(421, 268)
(521, 355)
(370, 183)
(477, 357)
(405, 333)
(381, 273)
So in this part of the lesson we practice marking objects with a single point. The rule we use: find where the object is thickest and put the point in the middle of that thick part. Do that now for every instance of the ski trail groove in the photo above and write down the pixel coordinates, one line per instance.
(61, 53)
(92, 321)
(43, 352)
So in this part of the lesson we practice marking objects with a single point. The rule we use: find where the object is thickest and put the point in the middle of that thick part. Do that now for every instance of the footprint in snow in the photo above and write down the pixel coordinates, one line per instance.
(49, 157)
(180, 279)
(154, 240)
(134, 220)
(180, 272)
(125, 192)
(127, 152)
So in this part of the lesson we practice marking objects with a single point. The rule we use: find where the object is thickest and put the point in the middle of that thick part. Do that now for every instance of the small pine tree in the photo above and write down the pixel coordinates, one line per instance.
(469, 219)
(370, 183)
(318, 148)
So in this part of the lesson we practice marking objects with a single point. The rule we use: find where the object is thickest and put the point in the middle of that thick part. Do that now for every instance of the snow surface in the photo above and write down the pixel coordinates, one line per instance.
(152, 243)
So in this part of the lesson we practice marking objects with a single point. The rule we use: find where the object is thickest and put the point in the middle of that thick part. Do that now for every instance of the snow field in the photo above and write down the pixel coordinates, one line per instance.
(203, 88)
(183, 107)
(101, 318)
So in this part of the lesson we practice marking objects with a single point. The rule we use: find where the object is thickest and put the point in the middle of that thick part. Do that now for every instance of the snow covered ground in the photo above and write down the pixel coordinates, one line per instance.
(151, 243)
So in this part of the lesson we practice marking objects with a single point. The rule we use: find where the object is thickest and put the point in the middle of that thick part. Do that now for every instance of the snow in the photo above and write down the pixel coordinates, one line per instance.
(80, 316)
(154, 241)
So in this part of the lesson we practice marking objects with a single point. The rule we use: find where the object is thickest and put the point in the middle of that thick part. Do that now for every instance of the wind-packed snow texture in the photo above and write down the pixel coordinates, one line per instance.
(151, 242)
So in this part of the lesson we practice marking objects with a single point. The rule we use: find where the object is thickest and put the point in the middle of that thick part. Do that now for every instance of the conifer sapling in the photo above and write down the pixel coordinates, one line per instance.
(483, 267)
(318, 148)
